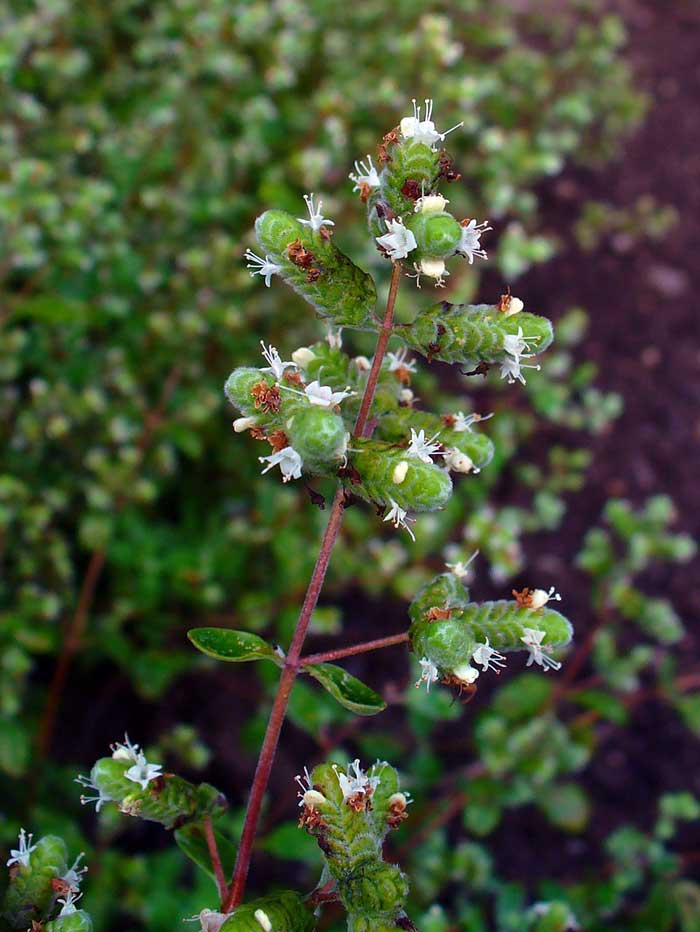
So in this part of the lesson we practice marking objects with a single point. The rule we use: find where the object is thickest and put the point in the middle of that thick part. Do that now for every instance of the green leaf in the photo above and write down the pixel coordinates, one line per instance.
(348, 690)
(566, 806)
(607, 705)
(232, 646)
(192, 841)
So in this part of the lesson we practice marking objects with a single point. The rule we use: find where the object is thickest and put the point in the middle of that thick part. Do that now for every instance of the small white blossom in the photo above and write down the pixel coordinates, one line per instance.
(532, 639)
(431, 204)
(540, 597)
(510, 305)
(398, 517)
(424, 131)
(466, 673)
(242, 424)
(398, 361)
(287, 459)
(488, 658)
(459, 462)
(461, 568)
(274, 360)
(142, 772)
(23, 853)
(334, 338)
(354, 780)
(421, 448)
(511, 369)
(263, 920)
(429, 673)
(101, 797)
(365, 174)
(433, 268)
(308, 796)
(316, 220)
(74, 875)
(68, 903)
(406, 396)
(209, 920)
(362, 363)
(470, 240)
(399, 241)
(516, 344)
(323, 396)
(265, 267)
(463, 422)
(125, 750)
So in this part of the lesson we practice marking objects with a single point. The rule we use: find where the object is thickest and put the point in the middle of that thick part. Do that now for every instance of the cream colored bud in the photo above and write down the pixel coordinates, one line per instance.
(433, 268)
(399, 473)
(459, 462)
(406, 396)
(431, 204)
(362, 363)
(313, 799)
(242, 424)
(263, 920)
(513, 306)
(466, 673)
(303, 356)
(397, 801)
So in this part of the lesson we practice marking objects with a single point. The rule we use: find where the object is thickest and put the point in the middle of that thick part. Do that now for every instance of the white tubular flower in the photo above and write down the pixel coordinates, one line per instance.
(22, 854)
(516, 344)
(355, 780)
(68, 903)
(488, 658)
(125, 750)
(101, 797)
(398, 361)
(265, 267)
(142, 772)
(433, 268)
(398, 241)
(398, 517)
(303, 356)
(429, 673)
(365, 174)
(532, 639)
(470, 241)
(463, 422)
(74, 875)
(431, 204)
(422, 449)
(308, 796)
(461, 567)
(466, 673)
(263, 920)
(423, 130)
(540, 597)
(323, 396)
(459, 462)
(316, 220)
(334, 338)
(241, 424)
(287, 459)
(274, 360)
(511, 369)
(209, 920)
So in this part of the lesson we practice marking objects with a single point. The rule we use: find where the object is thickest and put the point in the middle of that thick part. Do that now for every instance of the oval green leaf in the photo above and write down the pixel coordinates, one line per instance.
(348, 690)
(232, 646)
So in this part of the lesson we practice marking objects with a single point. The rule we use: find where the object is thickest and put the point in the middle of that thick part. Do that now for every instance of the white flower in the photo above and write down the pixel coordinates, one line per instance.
(461, 568)
(470, 240)
(421, 448)
(488, 658)
(466, 673)
(276, 366)
(209, 920)
(398, 517)
(463, 422)
(510, 305)
(355, 780)
(334, 338)
(323, 396)
(362, 363)
(125, 750)
(365, 174)
(532, 639)
(433, 268)
(399, 241)
(511, 369)
(242, 424)
(68, 902)
(540, 597)
(542, 909)
(398, 361)
(308, 796)
(263, 920)
(459, 462)
(423, 130)
(74, 875)
(429, 673)
(23, 853)
(287, 459)
(265, 267)
(316, 220)
(101, 797)
(406, 396)
(142, 772)
(431, 204)
(516, 344)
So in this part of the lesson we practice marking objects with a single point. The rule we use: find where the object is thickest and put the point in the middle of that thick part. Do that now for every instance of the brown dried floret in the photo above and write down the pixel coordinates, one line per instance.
(266, 397)
(277, 440)
(299, 254)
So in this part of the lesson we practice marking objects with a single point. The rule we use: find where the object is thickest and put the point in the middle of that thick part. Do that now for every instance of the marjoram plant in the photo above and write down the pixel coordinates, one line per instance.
(355, 421)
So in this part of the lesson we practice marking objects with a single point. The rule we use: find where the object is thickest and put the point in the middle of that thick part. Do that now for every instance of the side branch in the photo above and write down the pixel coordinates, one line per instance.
(365, 647)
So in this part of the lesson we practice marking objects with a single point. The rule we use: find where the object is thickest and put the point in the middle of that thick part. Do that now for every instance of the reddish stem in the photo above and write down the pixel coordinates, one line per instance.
(292, 661)
(363, 648)
(215, 858)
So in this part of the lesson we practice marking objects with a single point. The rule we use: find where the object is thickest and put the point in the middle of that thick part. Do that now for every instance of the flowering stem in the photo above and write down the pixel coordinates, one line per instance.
(293, 658)
(215, 858)
(363, 648)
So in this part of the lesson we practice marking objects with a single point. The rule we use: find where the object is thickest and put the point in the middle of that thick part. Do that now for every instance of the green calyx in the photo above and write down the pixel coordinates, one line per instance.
(311, 264)
(319, 436)
(30, 896)
(437, 234)
(382, 473)
(470, 333)
(77, 921)
(285, 910)
(413, 167)
(395, 428)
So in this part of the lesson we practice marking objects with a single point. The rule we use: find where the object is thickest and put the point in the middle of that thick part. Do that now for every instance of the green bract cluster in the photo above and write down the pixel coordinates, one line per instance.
(280, 911)
(350, 812)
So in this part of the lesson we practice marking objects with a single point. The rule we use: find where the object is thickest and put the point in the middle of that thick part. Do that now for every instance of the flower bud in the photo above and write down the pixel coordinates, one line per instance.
(303, 356)
(242, 424)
